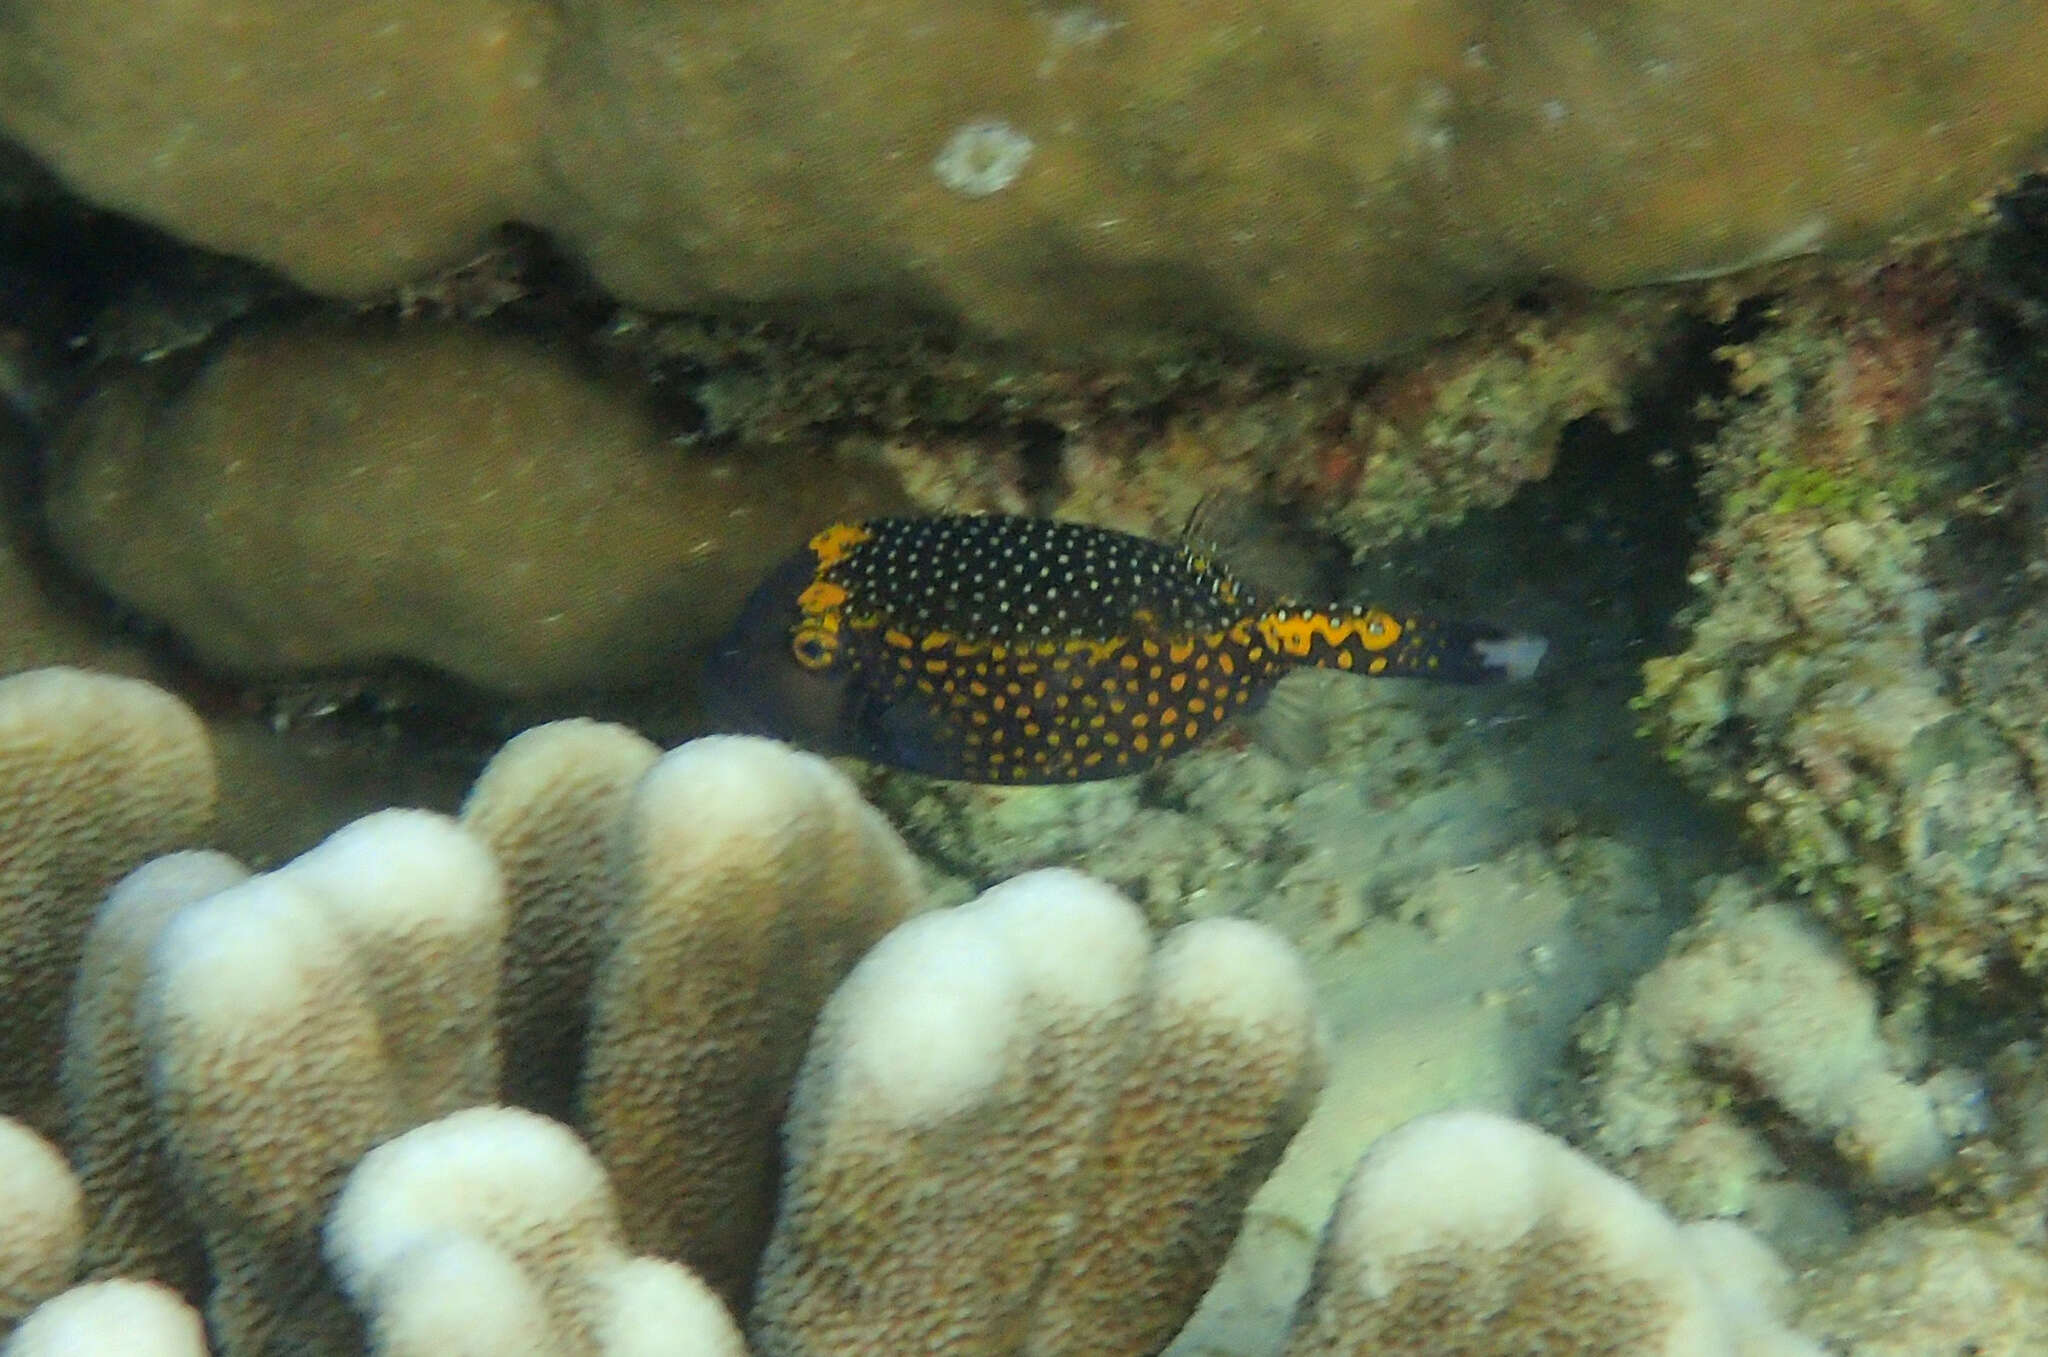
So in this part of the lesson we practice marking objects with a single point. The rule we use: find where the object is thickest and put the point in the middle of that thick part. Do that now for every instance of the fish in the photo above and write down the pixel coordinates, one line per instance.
(997, 648)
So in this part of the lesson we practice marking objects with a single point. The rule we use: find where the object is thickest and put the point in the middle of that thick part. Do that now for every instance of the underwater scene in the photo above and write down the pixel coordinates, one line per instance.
(1030, 679)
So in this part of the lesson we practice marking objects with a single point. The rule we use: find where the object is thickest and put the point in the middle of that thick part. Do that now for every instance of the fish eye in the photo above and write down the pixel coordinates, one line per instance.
(813, 647)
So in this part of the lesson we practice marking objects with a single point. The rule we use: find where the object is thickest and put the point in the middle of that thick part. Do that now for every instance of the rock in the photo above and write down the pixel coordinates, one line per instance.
(1327, 178)
(334, 496)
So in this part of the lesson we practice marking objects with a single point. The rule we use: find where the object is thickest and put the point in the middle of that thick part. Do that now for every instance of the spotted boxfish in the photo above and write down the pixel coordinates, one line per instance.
(992, 648)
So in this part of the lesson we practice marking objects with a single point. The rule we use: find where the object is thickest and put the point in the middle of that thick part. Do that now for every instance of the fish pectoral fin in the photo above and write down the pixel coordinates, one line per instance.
(913, 734)
(1293, 721)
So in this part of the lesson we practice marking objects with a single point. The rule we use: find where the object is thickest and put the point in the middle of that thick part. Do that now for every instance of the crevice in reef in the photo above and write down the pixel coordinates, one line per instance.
(1595, 555)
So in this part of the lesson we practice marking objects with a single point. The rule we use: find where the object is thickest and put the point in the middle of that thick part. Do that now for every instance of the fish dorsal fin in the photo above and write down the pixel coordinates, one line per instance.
(1268, 554)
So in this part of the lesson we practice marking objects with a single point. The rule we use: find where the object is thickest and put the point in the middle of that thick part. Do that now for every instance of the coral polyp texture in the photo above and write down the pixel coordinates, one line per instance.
(295, 1020)
(138, 1225)
(494, 1232)
(1004, 1097)
(1336, 179)
(97, 773)
(749, 878)
(1471, 1233)
(550, 805)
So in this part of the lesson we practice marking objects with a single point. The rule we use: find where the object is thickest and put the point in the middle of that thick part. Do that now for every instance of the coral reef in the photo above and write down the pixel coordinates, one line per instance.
(549, 805)
(239, 1044)
(1858, 674)
(138, 1224)
(407, 132)
(281, 1018)
(747, 879)
(469, 502)
(1475, 1234)
(236, 1044)
(1331, 181)
(1917, 1286)
(1755, 998)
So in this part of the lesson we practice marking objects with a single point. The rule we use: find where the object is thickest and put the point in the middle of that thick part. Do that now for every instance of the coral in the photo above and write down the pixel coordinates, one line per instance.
(96, 774)
(401, 134)
(549, 805)
(1335, 180)
(237, 1043)
(1755, 998)
(749, 878)
(240, 1045)
(1858, 676)
(1472, 1233)
(41, 630)
(471, 502)
(974, 1096)
(494, 1231)
(420, 906)
(1924, 1285)
(136, 1319)
(1226, 1043)
(42, 1220)
(138, 1226)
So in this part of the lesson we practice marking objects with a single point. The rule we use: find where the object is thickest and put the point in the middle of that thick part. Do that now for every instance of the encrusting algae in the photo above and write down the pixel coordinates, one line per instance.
(993, 648)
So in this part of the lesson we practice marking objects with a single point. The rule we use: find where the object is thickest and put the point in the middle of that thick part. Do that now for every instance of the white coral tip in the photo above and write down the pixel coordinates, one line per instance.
(132, 1319)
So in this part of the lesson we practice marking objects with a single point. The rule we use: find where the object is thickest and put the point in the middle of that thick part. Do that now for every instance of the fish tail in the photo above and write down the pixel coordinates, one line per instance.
(1367, 640)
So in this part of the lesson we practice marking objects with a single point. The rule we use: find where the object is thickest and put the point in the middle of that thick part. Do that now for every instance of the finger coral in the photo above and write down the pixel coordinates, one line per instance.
(97, 773)
(137, 1225)
(1044, 1129)
(549, 805)
(494, 1232)
(1227, 1044)
(1002, 1097)
(1474, 1233)
(41, 1220)
(278, 1058)
(750, 878)
(135, 1319)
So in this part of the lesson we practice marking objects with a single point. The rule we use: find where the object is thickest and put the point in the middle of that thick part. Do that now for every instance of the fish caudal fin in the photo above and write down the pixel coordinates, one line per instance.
(1514, 657)
(1375, 642)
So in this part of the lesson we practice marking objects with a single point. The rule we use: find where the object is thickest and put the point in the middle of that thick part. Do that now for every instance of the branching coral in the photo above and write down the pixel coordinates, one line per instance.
(1017, 1128)
(679, 922)
(999, 1101)
(494, 1232)
(96, 774)
(41, 1219)
(136, 1319)
(1471, 1233)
